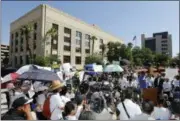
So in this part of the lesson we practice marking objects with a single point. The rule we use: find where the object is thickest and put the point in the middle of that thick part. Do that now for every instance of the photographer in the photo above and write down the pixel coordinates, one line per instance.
(128, 109)
(99, 107)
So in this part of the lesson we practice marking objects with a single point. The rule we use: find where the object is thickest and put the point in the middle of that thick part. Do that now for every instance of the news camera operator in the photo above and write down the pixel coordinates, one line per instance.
(99, 107)
(128, 109)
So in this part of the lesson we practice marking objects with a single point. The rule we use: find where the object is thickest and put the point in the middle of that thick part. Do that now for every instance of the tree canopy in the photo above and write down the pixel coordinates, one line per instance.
(136, 55)
(95, 58)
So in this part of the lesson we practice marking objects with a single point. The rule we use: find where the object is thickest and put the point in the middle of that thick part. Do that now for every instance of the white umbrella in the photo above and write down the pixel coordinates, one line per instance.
(113, 68)
(9, 77)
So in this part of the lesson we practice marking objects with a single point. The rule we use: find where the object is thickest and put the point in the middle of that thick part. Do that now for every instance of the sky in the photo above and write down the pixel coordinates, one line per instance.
(124, 19)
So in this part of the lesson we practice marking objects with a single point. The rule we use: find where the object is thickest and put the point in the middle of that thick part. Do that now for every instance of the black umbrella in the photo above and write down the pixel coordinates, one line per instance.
(39, 75)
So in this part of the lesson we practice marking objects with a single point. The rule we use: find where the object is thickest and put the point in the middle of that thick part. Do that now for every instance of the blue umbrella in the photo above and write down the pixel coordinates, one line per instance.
(39, 75)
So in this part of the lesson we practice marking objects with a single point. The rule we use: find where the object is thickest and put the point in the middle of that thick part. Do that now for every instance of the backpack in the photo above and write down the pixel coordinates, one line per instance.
(46, 108)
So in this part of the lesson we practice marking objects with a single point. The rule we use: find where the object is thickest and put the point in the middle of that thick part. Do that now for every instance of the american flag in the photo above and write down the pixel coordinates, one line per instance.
(134, 38)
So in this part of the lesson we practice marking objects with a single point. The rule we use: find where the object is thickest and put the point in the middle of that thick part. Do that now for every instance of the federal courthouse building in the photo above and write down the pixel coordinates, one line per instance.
(71, 45)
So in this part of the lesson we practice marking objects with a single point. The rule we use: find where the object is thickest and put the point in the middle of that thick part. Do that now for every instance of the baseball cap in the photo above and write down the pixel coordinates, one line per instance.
(21, 101)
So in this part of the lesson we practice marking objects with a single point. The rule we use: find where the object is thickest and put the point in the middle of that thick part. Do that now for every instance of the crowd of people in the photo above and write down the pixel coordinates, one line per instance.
(106, 96)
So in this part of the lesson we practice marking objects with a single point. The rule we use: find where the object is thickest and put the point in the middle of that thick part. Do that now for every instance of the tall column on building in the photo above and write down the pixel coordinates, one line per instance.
(73, 46)
(25, 50)
(60, 42)
(83, 49)
(13, 53)
(48, 40)
(91, 43)
(18, 49)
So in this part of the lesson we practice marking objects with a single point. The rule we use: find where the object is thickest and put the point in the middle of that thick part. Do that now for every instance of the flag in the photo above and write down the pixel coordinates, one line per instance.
(134, 38)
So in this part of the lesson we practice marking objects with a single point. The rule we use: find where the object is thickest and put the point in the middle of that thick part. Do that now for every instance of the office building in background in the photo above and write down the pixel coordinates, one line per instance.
(160, 43)
(4, 52)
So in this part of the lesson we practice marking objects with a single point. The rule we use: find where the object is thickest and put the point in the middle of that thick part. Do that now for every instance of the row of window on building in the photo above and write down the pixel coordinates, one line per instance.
(66, 59)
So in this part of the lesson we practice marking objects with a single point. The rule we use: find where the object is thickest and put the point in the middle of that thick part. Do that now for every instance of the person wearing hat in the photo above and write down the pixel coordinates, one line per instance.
(20, 110)
(56, 102)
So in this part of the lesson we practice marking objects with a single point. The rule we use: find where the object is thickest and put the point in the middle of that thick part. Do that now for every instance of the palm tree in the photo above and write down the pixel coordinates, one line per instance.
(103, 47)
(52, 32)
(93, 38)
(130, 45)
(27, 29)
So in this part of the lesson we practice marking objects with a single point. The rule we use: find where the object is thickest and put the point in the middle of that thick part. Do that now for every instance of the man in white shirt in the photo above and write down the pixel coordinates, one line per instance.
(56, 102)
(176, 83)
(123, 82)
(167, 87)
(130, 109)
(147, 107)
(161, 113)
(132, 83)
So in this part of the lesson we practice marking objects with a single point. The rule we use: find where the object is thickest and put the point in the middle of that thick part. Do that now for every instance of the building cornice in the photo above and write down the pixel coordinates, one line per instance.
(66, 15)
(78, 20)
(26, 14)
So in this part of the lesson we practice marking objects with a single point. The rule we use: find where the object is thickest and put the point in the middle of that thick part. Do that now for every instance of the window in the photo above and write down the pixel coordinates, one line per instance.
(67, 48)
(16, 42)
(34, 45)
(27, 59)
(67, 39)
(164, 53)
(34, 56)
(22, 40)
(35, 36)
(100, 47)
(15, 60)
(78, 34)
(78, 42)
(35, 26)
(12, 36)
(165, 45)
(16, 49)
(164, 49)
(21, 60)
(101, 41)
(16, 34)
(87, 43)
(78, 50)
(87, 37)
(67, 30)
(78, 60)
(66, 59)
(164, 41)
(22, 32)
(11, 43)
(21, 48)
(87, 51)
